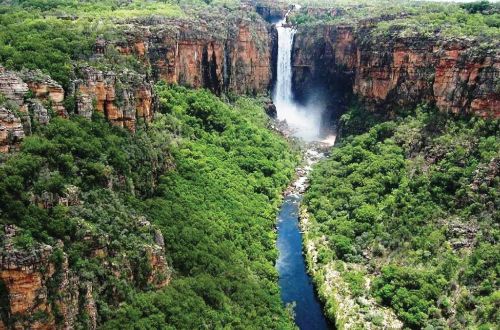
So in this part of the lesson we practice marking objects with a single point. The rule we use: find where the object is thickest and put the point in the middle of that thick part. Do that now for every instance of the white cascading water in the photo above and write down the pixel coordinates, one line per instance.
(304, 121)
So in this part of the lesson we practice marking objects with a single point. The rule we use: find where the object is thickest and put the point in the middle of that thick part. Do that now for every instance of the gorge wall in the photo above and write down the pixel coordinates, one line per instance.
(233, 57)
(239, 56)
(454, 74)
(39, 289)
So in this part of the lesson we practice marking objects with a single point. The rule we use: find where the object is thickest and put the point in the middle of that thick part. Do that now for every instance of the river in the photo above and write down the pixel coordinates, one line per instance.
(295, 283)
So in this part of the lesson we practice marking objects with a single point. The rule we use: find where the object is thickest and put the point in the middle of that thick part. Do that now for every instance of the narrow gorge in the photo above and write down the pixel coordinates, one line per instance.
(296, 287)
(249, 164)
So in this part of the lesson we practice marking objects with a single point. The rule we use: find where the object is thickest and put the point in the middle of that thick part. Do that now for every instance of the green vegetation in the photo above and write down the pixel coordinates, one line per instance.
(56, 35)
(417, 200)
(478, 7)
(219, 207)
(207, 174)
(37, 35)
(452, 22)
(408, 18)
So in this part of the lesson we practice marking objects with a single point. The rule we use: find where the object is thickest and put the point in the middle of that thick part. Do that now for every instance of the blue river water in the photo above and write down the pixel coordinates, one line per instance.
(295, 283)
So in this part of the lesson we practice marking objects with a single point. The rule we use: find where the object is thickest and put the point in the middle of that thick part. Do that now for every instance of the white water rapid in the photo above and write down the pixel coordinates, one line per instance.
(305, 121)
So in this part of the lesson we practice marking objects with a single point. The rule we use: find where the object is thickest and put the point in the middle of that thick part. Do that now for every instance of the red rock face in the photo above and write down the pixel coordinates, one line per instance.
(11, 130)
(341, 42)
(250, 63)
(196, 57)
(398, 74)
(122, 98)
(144, 102)
(12, 90)
(48, 90)
(160, 274)
(454, 75)
(326, 62)
(14, 114)
(188, 60)
(25, 275)
(36, 286)
(466, 81)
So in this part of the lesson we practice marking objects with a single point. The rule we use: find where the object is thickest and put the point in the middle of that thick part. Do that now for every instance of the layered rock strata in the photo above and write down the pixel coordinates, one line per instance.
(386, 72)
(234, 55)
(121, 97)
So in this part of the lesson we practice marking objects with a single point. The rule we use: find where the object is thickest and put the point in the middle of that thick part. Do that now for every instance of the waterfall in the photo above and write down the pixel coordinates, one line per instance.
(283, 92)
(305, 121)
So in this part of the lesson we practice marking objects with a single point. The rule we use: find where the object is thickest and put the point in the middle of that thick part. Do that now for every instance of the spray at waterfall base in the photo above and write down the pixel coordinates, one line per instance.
(305, 121)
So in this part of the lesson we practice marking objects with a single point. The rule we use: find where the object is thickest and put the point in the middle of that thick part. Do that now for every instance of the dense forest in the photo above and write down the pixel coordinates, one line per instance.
(140, 176)
(205, 173)
(217, 209)
(412, 204)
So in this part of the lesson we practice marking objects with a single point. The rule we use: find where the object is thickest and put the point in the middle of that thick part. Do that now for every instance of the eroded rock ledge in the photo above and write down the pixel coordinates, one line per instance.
(42, 292)
(456, 74)
(385, 72)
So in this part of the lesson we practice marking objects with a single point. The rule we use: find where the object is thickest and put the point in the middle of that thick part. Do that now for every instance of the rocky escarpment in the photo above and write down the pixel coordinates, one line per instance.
(45, 89)
(11, 130)
(324, 65)
(38, 287)
(122, 97)
(22, 94)
(29, 97)
(42, 288)
(457, 75)
(40, 291)
(232, 55)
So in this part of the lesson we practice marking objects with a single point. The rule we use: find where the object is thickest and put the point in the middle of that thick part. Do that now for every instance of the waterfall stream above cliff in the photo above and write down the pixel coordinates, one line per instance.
(305, 121)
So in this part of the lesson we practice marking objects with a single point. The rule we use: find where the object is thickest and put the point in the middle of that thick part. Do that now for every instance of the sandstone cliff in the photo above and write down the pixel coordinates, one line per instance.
(14, 110)
(11, 130)
(28, 97)
(457, 75)
(122, 97)
(45, 89)
(231, 55)
(28, 277)
(41, 291)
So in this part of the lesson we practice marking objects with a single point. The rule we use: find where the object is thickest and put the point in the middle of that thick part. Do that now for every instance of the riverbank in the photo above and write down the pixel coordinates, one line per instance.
(334, 290)
(339, 305)
(332, 287)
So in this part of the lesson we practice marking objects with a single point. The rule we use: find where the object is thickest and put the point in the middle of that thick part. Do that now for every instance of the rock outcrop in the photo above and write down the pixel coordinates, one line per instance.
(391, 71)
(13, 89)
(26, 96)
(12, 108)
(232, 55)
(45, 89)
(11, 130)
(35, 284)
(465, 79)
(43, 292)
(325, 65)
(122, 97)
